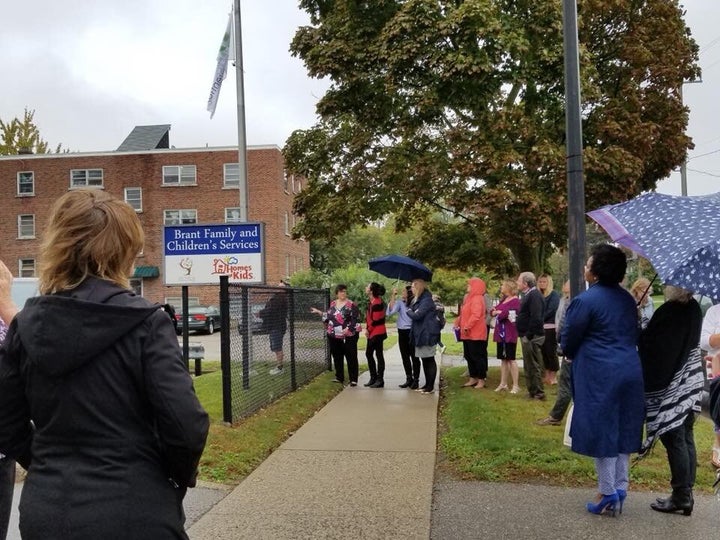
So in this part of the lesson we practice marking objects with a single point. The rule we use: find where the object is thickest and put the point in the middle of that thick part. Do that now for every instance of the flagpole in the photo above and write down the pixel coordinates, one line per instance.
(242, 141)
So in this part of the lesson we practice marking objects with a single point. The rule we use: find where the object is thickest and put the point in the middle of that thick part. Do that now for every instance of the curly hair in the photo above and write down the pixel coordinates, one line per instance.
(608, 264)
(377, 289)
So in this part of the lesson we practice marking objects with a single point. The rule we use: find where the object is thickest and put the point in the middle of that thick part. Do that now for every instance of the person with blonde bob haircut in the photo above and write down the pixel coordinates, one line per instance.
(103, 413)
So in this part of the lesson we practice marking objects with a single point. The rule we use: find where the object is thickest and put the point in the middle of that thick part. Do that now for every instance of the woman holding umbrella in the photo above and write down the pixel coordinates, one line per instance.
(425, 332)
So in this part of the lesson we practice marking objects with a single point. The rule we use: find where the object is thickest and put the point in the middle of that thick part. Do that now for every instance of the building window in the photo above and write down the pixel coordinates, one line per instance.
(133, 196)
(298, 185)
(287, 224)
(26, 226)
(136, 285)
(232, 215)
(180, 217)
(287, 265)
(286, 181)
(80, 178)
(231, 175)
(26, 268)
(179, 175)
(26, 183)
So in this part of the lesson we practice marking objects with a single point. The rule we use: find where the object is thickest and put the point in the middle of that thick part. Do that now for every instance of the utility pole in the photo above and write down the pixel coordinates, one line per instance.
(574, 163)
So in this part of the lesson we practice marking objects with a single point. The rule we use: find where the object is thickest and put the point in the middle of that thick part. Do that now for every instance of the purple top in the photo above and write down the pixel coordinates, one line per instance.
(505, 330)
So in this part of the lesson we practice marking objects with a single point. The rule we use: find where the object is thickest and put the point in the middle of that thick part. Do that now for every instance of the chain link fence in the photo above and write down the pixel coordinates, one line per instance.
(275, 344)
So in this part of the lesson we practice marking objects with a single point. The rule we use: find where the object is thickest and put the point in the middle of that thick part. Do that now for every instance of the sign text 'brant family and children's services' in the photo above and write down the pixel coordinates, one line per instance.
(199, 254)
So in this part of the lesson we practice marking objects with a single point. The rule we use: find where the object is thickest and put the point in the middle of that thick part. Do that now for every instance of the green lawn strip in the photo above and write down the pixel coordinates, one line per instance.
(484, 435)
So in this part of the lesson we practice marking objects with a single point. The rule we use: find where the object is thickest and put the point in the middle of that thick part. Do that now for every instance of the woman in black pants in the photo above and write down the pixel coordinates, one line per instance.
(411, 363)
(425, 332)
(376, 333)
(342, 325)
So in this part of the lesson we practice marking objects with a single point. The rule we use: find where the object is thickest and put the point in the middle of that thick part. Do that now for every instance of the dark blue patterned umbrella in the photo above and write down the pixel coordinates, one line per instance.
(680, 236)
(400, 267)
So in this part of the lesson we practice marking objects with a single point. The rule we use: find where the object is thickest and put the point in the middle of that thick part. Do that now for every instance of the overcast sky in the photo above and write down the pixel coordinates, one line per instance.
(94, 70)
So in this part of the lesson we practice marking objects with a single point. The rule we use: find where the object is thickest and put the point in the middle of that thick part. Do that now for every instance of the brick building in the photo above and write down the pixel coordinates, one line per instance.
(165, 186)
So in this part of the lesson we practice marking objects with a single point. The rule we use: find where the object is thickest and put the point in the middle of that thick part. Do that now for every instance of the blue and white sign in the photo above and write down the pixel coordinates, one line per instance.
(200, 254)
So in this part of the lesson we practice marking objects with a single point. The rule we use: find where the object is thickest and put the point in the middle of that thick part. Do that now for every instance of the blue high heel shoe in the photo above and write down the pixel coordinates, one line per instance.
(606, 504)
(622, 495)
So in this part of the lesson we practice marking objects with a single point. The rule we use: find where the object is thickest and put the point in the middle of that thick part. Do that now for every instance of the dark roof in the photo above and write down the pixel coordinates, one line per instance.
(146, 138)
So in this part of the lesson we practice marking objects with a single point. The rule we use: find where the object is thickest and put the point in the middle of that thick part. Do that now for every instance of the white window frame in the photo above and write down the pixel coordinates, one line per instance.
(26, 226)
(25, 181)
(184, 216)
(229, 218)
(231, 175)
(185, 175)
(287, 224)
(26, 267)
(86, 178)
(135, 202)
(286, 182)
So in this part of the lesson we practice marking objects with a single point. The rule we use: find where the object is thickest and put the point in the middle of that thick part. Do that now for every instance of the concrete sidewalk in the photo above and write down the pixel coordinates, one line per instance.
(363, 467)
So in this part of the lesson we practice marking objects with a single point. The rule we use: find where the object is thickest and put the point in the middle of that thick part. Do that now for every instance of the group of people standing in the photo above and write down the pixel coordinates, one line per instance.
(418, 334)
(530, 321)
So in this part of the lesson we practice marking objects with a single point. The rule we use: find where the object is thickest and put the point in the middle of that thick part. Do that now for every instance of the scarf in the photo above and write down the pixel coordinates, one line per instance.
(668, 408)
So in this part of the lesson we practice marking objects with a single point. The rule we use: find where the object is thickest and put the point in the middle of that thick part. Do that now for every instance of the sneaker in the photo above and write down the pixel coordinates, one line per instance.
(353, 383)
(336, 380)
(427, 391)
(276, 371)
(549, 421)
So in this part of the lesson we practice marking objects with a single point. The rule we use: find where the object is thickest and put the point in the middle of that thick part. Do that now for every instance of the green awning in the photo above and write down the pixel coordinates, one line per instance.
(146, 272)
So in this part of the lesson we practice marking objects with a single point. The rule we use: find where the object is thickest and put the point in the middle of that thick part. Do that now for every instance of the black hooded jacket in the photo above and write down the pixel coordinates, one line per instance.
(117, 431)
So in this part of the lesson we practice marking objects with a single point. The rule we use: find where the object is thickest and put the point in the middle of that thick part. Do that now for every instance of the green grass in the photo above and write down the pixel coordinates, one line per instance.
(491, 436)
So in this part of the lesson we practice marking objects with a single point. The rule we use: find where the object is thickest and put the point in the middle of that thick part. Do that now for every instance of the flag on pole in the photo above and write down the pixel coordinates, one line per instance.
(221, 69)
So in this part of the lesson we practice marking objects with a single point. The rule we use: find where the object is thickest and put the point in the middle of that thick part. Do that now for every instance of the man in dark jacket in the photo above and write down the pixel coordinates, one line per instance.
(532, 334)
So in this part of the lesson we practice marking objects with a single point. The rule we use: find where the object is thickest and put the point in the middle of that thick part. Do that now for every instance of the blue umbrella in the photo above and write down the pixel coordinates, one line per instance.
(399, 267)
(680, 236)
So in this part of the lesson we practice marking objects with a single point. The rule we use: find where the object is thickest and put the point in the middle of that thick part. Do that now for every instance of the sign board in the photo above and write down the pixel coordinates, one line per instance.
(200, 254)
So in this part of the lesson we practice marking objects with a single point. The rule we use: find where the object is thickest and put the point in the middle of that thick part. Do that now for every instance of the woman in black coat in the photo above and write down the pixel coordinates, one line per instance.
(117, 431)
(669, 349)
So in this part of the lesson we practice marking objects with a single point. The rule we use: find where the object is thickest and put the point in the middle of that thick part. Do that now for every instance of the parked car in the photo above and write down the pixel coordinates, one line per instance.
(201, 318)
(256, 322)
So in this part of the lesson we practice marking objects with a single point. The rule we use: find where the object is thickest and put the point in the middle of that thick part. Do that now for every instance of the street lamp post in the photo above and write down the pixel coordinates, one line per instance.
(574, 164)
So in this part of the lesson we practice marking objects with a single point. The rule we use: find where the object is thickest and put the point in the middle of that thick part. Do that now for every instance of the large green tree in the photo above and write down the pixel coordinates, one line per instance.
(22, 135)
(459, 105)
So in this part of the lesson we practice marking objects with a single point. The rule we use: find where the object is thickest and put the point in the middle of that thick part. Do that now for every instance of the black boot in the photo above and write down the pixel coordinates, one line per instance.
(406, 384)
(681, 500)
(379, 383)
(371, 381)
(415, 384)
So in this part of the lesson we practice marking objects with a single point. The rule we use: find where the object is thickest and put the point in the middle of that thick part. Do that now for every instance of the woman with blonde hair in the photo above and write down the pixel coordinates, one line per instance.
(641, 293)
(551, 302)
(506, 336)
(105, 419)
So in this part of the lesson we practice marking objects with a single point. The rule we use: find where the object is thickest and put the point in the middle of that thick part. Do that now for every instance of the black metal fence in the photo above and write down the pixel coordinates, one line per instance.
(270, 344)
